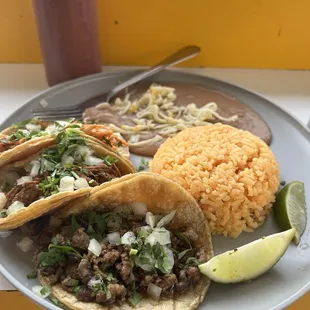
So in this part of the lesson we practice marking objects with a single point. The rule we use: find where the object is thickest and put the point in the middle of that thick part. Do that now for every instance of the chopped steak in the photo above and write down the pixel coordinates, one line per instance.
(80, 239)
(84, 294)
(26, 193)
(118, 292)
(85, 270)
(103, 173)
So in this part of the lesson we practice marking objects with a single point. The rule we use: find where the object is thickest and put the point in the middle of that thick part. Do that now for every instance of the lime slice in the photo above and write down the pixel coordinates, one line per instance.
(290, 208)
(249, 261)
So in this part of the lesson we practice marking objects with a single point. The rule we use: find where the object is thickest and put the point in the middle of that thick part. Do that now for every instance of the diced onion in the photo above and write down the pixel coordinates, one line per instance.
(51, 129)
(25, 244)
(81, 183)
(5, 234)
(35, 168)
(55, 222)
(14, 207)
(114, 238)
(23, 180)
(166, 219)
(93, 161)
(139, 208)
(65, 160)
(66, 184)
(128, 238)
(153, 291)
(160, 235)
(3, 200)
(94, 247)
(32, 127)
(93, 282)
(37, 290)
(83, 151)
(150, 219)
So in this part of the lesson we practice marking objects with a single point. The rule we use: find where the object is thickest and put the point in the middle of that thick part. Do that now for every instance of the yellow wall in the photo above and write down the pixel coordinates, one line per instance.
(232, 33)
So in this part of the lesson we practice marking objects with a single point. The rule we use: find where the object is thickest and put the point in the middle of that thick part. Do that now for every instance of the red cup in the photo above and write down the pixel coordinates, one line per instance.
(68, 34)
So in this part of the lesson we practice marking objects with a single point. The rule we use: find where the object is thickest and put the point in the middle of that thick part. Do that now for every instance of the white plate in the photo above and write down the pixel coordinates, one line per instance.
(286, 282)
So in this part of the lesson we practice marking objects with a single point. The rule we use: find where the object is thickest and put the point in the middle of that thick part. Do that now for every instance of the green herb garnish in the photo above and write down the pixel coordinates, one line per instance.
(144, 165)
(135, 298)
(32, 275)
(56, 254)
(45, 290)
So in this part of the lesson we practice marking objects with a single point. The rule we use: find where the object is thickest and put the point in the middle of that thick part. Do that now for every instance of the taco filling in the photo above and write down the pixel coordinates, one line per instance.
(67, 166)
(34, 128)
(110, 258)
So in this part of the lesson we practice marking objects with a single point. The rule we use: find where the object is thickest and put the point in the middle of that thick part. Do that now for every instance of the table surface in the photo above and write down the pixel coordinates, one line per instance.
(288, 89)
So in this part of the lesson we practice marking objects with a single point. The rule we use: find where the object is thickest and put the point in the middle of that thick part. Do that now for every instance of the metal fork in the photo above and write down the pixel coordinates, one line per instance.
(77, 110)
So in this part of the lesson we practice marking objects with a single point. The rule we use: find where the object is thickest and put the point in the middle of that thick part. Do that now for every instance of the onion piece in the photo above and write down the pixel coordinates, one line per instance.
(35, 167)
(93, 161)
(150, 219)
(82, 151)
(5, 234)
(128, 238)
(3, 200)
(166, 219)
(55, 222)
(25, 244)
(37, 289)
(66, 184)
(114, 238)
(139, 208)
(81, 183)
(94, 247)
(15, 207)
(23, 180)
(159, 235)
(32, 127)
(153, 291)
(93, 282)
(65, 160)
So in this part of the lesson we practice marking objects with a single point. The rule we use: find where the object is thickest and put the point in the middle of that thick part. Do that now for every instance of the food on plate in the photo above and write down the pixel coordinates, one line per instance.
(49, 178)
(146, 115)
(249, 261)
(232, 174)
(290, 208)
(33, 133)
(136, 242)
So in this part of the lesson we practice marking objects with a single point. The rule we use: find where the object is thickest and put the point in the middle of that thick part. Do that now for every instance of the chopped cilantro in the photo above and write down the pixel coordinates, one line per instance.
(45, 290)
(32, 275)
(74, 224)
(135, 298)
(144, 165)
(109, 160)
(56, 302)
(6, 187)
(3, 214)
(56, 254)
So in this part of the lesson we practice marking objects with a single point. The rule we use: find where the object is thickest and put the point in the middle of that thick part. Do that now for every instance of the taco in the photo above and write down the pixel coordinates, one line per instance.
(135, 242)
(27, 137)
(69, 168)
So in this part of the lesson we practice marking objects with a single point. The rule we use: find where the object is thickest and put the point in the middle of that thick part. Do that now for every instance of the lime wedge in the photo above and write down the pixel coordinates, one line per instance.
(290, 208)
(249, 261)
